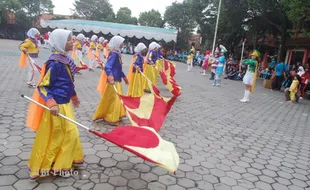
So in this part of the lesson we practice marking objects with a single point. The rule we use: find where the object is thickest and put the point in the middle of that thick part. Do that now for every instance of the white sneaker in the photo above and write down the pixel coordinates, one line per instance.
(213, 84)
(203, 74)
(244, 100)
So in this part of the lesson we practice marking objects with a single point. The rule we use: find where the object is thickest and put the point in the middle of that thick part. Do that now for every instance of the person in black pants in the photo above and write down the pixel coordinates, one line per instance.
(280, 69)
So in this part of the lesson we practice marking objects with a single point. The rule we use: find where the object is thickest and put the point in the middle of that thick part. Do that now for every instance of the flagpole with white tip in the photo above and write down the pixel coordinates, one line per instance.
(240, 65)
(216, 26)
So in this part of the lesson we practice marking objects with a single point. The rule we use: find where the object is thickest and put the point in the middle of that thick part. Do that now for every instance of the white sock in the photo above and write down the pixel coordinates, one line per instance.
(248, 94)
(245, 94)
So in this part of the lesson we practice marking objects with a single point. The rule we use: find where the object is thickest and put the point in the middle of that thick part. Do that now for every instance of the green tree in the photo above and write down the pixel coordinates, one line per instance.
(298, 12)
(32, 9)
(8, 5)
(94, 10)
(179, 17)
(151, 18)
(27, 11)
(123, 15)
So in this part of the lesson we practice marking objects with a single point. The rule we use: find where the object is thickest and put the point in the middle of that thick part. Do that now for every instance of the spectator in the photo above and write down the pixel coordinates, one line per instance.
(292, 93)
(305, 83)
(280, 69)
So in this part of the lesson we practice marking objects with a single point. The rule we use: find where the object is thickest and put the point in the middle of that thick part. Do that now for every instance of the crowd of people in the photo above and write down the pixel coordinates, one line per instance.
(57, 145)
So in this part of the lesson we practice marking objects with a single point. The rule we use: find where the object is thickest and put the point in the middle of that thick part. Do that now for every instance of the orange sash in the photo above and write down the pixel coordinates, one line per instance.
(102, 82)
(35, 112)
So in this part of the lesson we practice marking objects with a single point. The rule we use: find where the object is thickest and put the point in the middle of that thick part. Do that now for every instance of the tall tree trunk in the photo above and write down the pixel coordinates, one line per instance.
(281, 49)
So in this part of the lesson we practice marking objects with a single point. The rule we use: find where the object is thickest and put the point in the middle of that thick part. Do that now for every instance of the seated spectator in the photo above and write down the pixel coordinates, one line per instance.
(292, 93)
(305, 83)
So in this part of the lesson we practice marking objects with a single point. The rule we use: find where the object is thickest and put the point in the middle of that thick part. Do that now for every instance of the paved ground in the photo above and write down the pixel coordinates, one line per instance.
(222, 143)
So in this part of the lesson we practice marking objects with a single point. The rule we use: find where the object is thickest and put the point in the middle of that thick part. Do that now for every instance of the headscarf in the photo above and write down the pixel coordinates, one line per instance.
(140, 47)
(158, 46)
(153, 46)
(80, 37)
(94, 38)
(301, 71)
(101, 39)
(58, 41)
(32, 33)
(116, 42)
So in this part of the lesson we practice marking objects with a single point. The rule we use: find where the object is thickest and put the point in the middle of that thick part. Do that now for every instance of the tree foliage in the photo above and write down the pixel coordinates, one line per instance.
(179, 17)
(123, 15)
(151, 18)
(27, 11)
(94, 10)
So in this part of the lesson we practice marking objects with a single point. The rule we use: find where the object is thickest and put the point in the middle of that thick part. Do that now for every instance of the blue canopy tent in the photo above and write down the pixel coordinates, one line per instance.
(124, 30)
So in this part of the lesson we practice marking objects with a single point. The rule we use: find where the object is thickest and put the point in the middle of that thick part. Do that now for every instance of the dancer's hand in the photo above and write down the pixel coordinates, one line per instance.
(126, 80)
(111, 80)
(25, 51)
(54, 110)
(75, 101)
(137, 68)
(76, 104)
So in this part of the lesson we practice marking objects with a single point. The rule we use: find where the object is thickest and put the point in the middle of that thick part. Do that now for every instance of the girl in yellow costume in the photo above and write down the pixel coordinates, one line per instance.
(110, 107)
(135, 78)
(57, 146)
(30, 47)
(99, 51)
(78, 49)
(92, 52)
(190, 58)
(149, 68)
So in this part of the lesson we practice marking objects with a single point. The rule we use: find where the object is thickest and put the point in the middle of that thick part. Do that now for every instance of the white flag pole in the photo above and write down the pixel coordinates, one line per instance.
(241, 56)
(216, 26)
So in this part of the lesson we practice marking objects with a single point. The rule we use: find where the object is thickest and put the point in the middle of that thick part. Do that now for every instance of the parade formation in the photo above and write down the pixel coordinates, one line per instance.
(54, 96)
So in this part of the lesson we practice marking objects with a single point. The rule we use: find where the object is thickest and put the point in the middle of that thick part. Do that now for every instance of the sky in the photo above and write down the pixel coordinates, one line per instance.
(136, 6)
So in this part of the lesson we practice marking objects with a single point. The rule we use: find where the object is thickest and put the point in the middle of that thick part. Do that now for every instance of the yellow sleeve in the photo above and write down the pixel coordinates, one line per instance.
(45, 82)
(25, 45)
(92, 45)
(77, 45)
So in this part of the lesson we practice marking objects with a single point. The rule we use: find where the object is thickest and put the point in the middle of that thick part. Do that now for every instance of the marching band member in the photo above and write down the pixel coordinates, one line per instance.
(110, 108)
(92, 52)
(150, 70)
(57, 145)
(30, 46)
(250, 77)
(135, 79)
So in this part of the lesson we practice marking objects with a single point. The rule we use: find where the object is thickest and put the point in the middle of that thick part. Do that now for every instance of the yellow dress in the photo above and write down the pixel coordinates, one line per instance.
(135, 88)
(190, 57)
(57, 147)
(150, 72)
(110, 107)
(294, 89)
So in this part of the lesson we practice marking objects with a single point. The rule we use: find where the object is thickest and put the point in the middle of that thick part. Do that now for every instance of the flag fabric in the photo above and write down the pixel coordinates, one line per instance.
(148, 110)
(34, 65)
(169, 68)
(81, 65)
(146, 144)
(170, 83)
(22, 60)
(99, 61)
